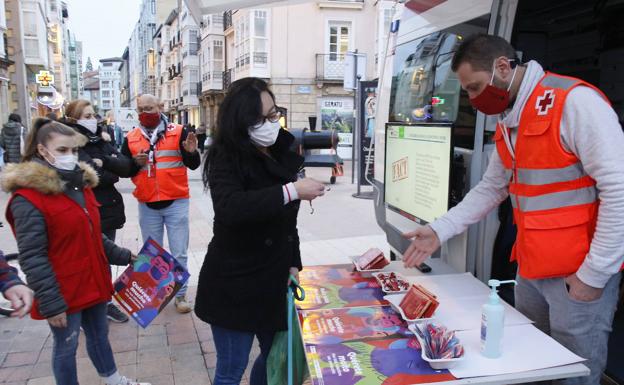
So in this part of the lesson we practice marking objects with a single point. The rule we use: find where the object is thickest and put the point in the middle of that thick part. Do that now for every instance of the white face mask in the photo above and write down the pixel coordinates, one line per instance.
(89, 124)
(64, 162)
(264, 135)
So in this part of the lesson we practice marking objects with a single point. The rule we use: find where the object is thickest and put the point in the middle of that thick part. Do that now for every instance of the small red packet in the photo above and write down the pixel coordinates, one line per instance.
(419, 303)
(373, 259)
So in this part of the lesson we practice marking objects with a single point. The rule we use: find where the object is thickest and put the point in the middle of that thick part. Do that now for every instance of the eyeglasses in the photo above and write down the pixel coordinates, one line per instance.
(273, 116)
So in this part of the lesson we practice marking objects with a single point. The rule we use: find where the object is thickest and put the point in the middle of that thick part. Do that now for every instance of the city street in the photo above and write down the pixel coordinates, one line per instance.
(178, 349)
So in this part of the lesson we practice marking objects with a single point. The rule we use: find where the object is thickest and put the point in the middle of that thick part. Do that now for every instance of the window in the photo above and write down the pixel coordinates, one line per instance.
(425, 89)
(30, 23)
(105, 84)
(193, 42)
(106, 94)
(260, 40)
(260, 23)
(217, 21)
(193, 76)
(218, 49)
(31, 47)
(387, 20)
(108, 64)
(339, 40)
(242, 46)
(53, 6)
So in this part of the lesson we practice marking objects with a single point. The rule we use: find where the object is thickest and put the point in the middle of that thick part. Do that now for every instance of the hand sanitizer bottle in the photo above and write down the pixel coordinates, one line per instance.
(493, 322)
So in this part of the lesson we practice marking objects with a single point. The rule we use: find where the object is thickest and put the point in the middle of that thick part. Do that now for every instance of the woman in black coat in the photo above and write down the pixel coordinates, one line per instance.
(100, 153)
(110, 165)
(252, 176)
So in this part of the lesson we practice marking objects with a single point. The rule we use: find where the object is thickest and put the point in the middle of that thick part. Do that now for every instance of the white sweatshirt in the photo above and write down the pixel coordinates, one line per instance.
(590, 129)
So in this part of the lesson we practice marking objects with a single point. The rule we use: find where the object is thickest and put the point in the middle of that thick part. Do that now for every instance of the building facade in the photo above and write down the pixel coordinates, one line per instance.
(75, 66)
(58, 31)
(79, 68)
(5, 62)
(110, 76)
(124, 79)
(177, 43)
(142, 56)
(212, 67)
(301, 50)
(45, 58)
(27, 45)
(91, 88)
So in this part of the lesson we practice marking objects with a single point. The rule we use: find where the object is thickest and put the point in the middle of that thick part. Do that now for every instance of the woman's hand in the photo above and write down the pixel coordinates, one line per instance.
(58, 321)
(295, 273)
(98, 162)
(308, 189)
(21, 298)
(141, 158)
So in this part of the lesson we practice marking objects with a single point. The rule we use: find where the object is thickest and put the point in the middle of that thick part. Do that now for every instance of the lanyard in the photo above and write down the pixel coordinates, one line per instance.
(152, 141)
(507, 138)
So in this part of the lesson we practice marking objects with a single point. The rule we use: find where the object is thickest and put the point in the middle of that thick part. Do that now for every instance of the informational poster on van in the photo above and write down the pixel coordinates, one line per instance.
(417, 170)
(147, 286)
(337, 114)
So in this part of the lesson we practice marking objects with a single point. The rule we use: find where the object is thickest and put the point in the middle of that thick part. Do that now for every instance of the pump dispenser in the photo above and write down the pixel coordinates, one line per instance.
(493, 321)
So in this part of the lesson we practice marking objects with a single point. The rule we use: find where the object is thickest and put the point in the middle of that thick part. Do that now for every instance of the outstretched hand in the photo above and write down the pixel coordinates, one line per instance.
(424, 243)
(190, 144)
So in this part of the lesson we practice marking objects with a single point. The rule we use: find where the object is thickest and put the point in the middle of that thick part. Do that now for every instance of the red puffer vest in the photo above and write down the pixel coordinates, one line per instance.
(75, 248)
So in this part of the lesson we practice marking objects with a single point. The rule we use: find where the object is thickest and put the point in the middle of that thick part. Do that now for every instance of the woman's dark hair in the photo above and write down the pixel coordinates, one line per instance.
(41, 132)
(241, 108)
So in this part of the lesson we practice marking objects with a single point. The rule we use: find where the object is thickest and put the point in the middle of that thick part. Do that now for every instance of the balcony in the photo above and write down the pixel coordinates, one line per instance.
(330, 67)
(260, 58)
(212, 81)
(175, 71)
(227, 20)
(227, 78)
(243, 61)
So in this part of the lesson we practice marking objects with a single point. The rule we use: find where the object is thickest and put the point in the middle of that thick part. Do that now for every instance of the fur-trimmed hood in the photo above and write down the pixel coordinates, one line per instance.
(38, 176)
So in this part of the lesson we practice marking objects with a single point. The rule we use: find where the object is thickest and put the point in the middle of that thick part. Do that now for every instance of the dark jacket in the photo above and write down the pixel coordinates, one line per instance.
(115, 165)
(242, 283)
(8, 275)
(31, 231)
(10, 141)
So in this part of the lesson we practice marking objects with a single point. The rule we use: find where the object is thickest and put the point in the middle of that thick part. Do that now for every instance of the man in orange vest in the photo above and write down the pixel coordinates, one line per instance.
(163, 151)
(559, 158)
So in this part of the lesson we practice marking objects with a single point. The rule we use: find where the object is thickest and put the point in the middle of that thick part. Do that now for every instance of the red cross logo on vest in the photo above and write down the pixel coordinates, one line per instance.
(545, 102)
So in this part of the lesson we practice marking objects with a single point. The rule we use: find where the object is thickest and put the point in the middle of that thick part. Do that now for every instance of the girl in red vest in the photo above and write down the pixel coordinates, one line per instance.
(54, 216)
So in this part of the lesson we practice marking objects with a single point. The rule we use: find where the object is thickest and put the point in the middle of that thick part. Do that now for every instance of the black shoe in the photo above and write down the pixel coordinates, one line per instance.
(115, 315)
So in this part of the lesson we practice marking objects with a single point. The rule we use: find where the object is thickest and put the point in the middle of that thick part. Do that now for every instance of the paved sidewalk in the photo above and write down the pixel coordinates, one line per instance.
(178, 349)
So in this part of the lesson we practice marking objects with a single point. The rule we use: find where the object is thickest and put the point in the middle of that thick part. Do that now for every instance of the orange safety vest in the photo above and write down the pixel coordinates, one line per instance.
(555, 203)
(165, 178)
